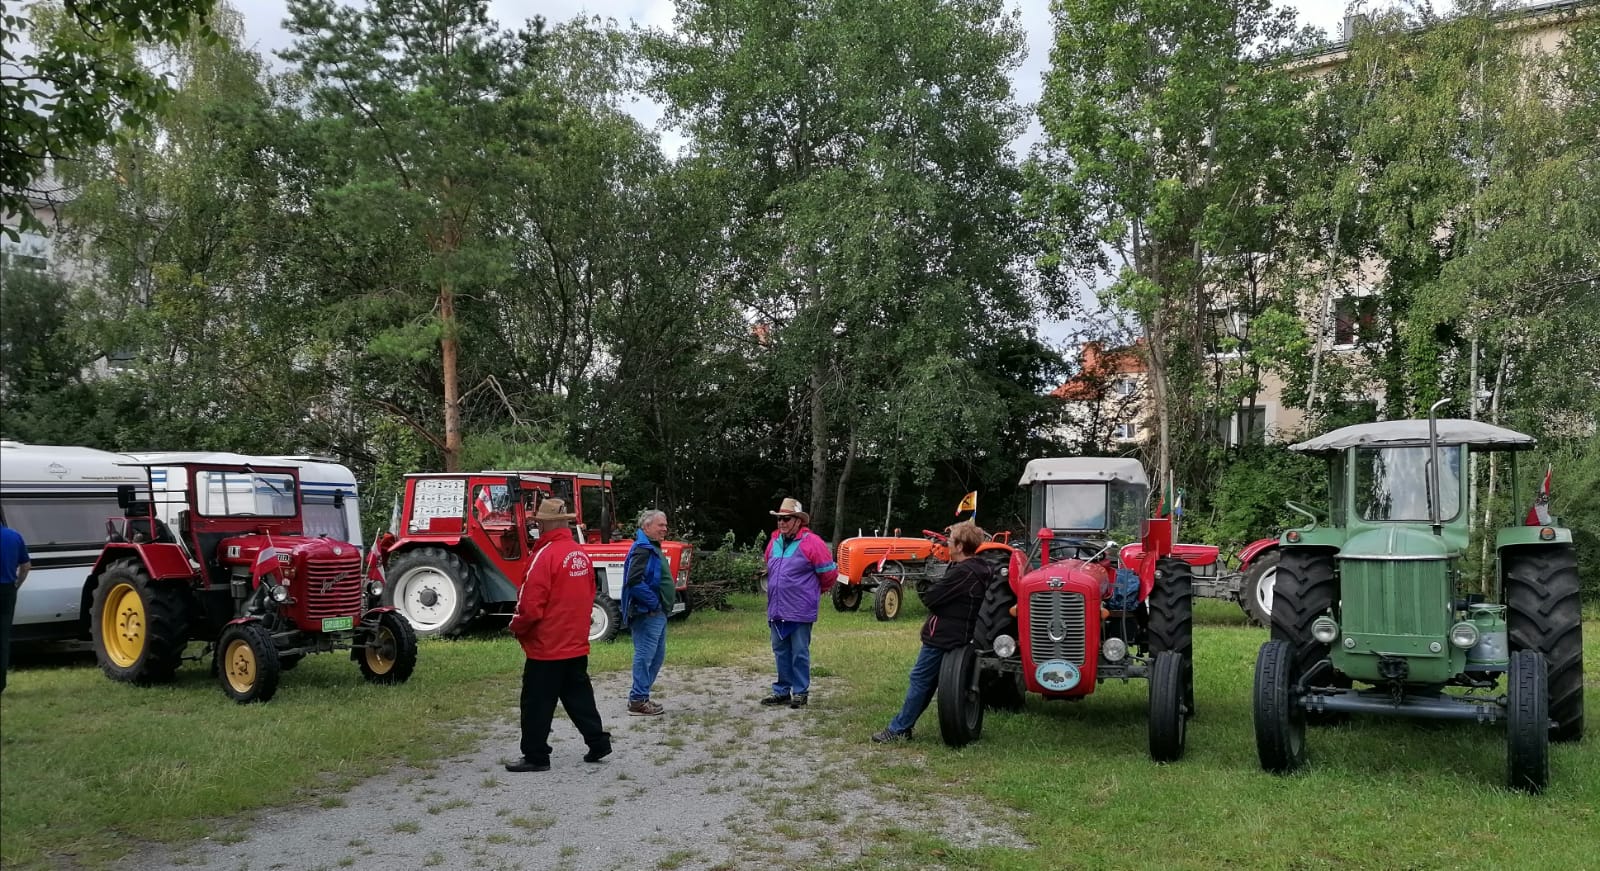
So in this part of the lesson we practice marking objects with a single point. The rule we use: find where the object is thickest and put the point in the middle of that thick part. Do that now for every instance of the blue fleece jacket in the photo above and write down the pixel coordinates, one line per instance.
(643, 574)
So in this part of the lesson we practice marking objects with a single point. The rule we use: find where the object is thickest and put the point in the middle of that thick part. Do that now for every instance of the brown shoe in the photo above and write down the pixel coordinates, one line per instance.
(644, 708)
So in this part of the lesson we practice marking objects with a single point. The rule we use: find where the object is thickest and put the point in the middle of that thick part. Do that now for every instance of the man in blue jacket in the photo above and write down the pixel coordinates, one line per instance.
(14, 566)
(647, 599)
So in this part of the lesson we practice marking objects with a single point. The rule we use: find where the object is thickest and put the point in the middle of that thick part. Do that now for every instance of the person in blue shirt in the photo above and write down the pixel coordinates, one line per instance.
(14, 566)
(647, 599)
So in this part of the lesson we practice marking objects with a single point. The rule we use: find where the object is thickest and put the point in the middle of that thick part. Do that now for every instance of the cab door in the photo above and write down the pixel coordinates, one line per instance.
(496, 522)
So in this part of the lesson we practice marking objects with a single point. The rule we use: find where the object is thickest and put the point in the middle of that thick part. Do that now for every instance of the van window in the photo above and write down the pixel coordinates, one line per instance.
(325, 518)
(62, 520)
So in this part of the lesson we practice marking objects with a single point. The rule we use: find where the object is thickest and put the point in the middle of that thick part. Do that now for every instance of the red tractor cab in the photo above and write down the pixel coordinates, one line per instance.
(1077, 619)
(218, 553)
(459, 545)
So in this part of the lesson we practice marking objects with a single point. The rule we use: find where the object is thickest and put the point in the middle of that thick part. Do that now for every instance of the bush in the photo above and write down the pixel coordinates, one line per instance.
(730, 568)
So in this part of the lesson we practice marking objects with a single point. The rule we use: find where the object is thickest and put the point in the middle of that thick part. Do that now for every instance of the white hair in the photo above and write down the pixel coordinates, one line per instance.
(649, 515)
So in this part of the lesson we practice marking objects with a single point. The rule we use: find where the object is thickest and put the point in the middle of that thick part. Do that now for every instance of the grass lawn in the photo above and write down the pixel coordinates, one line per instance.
(90, 769)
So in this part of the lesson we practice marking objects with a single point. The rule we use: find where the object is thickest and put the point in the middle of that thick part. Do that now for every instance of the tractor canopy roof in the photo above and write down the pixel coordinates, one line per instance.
(1414, 433)
(1083, 469)
(212, 458)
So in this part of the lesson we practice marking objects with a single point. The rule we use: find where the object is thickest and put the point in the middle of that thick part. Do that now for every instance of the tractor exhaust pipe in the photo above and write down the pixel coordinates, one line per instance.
(1433, 468)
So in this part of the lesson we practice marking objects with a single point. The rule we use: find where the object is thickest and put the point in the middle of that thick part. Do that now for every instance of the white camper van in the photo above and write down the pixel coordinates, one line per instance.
(59, 499)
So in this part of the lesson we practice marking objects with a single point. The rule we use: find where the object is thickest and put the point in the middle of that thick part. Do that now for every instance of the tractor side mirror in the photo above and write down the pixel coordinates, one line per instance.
(126, 496)
(514, 486)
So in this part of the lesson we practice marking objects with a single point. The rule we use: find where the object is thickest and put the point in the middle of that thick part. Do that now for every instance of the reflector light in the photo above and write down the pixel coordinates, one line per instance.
(1293, 535)
(1547, 534)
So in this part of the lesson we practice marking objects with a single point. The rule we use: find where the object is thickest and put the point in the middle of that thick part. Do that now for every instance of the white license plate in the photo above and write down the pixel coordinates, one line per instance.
(335, 624)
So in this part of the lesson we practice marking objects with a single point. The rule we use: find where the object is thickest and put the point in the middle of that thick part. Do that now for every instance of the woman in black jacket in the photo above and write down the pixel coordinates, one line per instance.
(953, 606)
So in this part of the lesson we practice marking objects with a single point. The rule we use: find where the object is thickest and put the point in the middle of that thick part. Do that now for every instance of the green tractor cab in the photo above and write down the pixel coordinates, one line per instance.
(1370, 615)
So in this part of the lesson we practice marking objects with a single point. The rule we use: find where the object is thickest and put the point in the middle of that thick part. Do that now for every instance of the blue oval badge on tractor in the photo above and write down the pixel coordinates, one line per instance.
(1057, 675)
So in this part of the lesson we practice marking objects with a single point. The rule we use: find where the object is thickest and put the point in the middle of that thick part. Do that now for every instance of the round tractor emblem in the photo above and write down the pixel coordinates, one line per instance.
(1057, 675)
(338, 551)
(1057, 630)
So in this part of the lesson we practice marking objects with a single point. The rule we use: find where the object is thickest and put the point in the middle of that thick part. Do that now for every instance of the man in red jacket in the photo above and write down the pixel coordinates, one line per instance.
(552, 624)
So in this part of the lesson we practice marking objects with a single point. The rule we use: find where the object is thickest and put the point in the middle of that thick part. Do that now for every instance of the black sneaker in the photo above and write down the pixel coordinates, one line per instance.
(889, 736)
(599, 750)
(798, 700)
(528, 765)
(775, 700)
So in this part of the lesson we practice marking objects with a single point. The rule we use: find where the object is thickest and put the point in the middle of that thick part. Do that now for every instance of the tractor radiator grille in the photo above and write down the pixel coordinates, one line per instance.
(1058, 614)
(1395, 597)
(332, 587)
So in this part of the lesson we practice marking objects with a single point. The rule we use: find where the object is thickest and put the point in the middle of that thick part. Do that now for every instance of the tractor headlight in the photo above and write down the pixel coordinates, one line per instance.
(280, 594)
(1324, 629)
(1464, 635)
(1004, 646)
(1114, 649)
(374, 588)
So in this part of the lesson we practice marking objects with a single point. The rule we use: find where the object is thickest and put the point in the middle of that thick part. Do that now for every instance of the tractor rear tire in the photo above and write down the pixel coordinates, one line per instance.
(960, 704)
(391, 652)
(434, 589)
(1543, 613)
(887, 598)
(1279, 720)
(1306, 589)
(846, 597)
(1259, 582)
(1172, 615)
(1527, 722)
(139, 627)
(605, 618)
(1171, 680)
(248, 666)
(994, 615)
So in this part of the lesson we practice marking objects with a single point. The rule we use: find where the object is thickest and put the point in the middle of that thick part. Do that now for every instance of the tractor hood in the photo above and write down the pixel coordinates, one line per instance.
(1392, 542)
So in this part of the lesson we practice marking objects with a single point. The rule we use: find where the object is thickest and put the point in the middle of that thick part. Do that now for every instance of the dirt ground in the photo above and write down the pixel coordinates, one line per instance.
(718, 782)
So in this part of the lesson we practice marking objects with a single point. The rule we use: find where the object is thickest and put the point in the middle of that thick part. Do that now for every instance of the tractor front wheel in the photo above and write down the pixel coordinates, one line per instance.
(434, 589)
(960, 703)
(1259, 581)
(1280, 721)
(605, 618)
(846, 597)
(1170, 684)
(390, 655)
(1543, 614)
(139, 627)
(886, 599)
(1527, 722)
(247, 666)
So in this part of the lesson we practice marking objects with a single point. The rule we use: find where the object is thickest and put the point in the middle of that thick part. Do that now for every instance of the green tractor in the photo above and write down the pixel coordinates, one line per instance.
(1371, 616)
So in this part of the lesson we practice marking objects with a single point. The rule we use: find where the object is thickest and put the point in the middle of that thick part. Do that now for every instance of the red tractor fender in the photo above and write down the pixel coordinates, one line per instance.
(1255, 549)
(163, 560)
(249, 618)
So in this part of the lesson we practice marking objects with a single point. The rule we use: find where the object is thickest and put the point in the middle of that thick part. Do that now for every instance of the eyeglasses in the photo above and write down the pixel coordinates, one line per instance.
(787, 519)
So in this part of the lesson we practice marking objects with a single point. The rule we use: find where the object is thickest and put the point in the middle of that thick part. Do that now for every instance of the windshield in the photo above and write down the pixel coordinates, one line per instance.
(1088, 507)
(1392, 483)
(244, 494)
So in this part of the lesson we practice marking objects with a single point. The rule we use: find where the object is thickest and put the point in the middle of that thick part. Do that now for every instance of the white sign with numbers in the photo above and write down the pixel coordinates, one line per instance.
(437, 497)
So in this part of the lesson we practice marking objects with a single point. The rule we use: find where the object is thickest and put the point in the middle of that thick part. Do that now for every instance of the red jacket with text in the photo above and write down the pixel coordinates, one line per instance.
(552, 616)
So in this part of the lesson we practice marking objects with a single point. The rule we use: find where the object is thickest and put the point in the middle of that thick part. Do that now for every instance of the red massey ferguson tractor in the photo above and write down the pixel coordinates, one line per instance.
(459, 546)
(1076, 620)
(218, 553)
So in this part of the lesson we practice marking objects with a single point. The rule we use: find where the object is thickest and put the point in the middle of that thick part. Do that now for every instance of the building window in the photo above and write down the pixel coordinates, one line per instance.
(1250, 426)
(1126, 387)
(1355, 320)
(1127, 431)
(30, 251)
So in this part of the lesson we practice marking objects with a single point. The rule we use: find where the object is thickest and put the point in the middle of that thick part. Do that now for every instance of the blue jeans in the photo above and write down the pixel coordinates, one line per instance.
(793, 655)
(649, 651)
(924, 680)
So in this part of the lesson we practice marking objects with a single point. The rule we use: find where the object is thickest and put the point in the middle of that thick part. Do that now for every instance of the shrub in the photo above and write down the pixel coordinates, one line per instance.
(730, 568)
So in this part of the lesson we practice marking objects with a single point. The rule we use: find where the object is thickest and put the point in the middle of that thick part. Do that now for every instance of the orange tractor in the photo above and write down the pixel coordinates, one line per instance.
(882, 565)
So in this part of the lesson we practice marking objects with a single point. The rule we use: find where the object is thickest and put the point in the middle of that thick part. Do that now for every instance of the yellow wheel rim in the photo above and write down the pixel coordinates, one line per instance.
(380, 652)
(239, 665)
(122, 625)
(891, 603)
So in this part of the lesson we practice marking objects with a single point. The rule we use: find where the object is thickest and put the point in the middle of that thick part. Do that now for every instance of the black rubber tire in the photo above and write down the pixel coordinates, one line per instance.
(1543, 613)
(995, 617)
(453, 569)
(1279, 720)
(1171, 606)
(887, 599)
(1306, 589)
(1527, 722)
(1003, 691)
(605, 619)
(846, 597)
(1171, 681)
(391, 654)
(249, 670)
(1263, 571)
(960, 704)
(164, 632)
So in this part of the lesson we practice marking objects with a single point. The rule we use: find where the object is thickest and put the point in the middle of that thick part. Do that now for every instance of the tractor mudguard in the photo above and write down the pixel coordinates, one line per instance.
(162, 560)
(1513, 536)
(1332, 538)
(249, 618)
(1255, 549)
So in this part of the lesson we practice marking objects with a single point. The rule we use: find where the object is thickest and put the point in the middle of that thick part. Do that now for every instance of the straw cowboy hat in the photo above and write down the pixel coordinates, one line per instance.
(552, 509)
(792, 506)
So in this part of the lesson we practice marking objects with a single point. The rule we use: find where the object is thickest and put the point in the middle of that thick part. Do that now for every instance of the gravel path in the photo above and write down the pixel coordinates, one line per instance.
(691, 789)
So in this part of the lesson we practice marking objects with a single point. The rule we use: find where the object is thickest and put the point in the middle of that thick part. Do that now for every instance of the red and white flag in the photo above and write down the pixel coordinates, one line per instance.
(268, 557)
(1539, 512)
(485, 502)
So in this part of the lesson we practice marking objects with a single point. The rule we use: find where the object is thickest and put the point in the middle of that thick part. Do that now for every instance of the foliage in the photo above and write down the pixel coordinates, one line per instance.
(1248, 500)
(720, 572)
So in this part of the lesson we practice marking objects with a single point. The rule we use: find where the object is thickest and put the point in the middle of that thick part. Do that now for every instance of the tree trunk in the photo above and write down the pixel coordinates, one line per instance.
(844, 481)
(819, 450)
(448, 348)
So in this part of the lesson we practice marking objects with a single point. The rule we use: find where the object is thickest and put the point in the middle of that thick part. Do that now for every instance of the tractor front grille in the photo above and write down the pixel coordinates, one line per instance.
(332, 586)
(1056, 627)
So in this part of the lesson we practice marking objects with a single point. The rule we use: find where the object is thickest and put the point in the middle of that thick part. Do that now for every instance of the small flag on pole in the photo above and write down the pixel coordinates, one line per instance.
(485, 502)
(969, 502)
(1539, 512)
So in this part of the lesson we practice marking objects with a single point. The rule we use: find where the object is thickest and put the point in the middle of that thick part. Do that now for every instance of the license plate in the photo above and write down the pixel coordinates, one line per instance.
(334, 624)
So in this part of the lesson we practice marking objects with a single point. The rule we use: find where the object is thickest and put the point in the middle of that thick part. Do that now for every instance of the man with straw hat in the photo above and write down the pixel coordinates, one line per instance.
(552, 624)
(800, 569)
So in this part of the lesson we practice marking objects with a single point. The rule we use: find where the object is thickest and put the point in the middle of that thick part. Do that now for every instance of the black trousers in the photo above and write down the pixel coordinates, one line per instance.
(544, 681)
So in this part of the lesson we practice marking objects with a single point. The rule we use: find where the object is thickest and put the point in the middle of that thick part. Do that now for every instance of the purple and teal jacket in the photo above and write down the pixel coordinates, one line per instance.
(799, 571)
